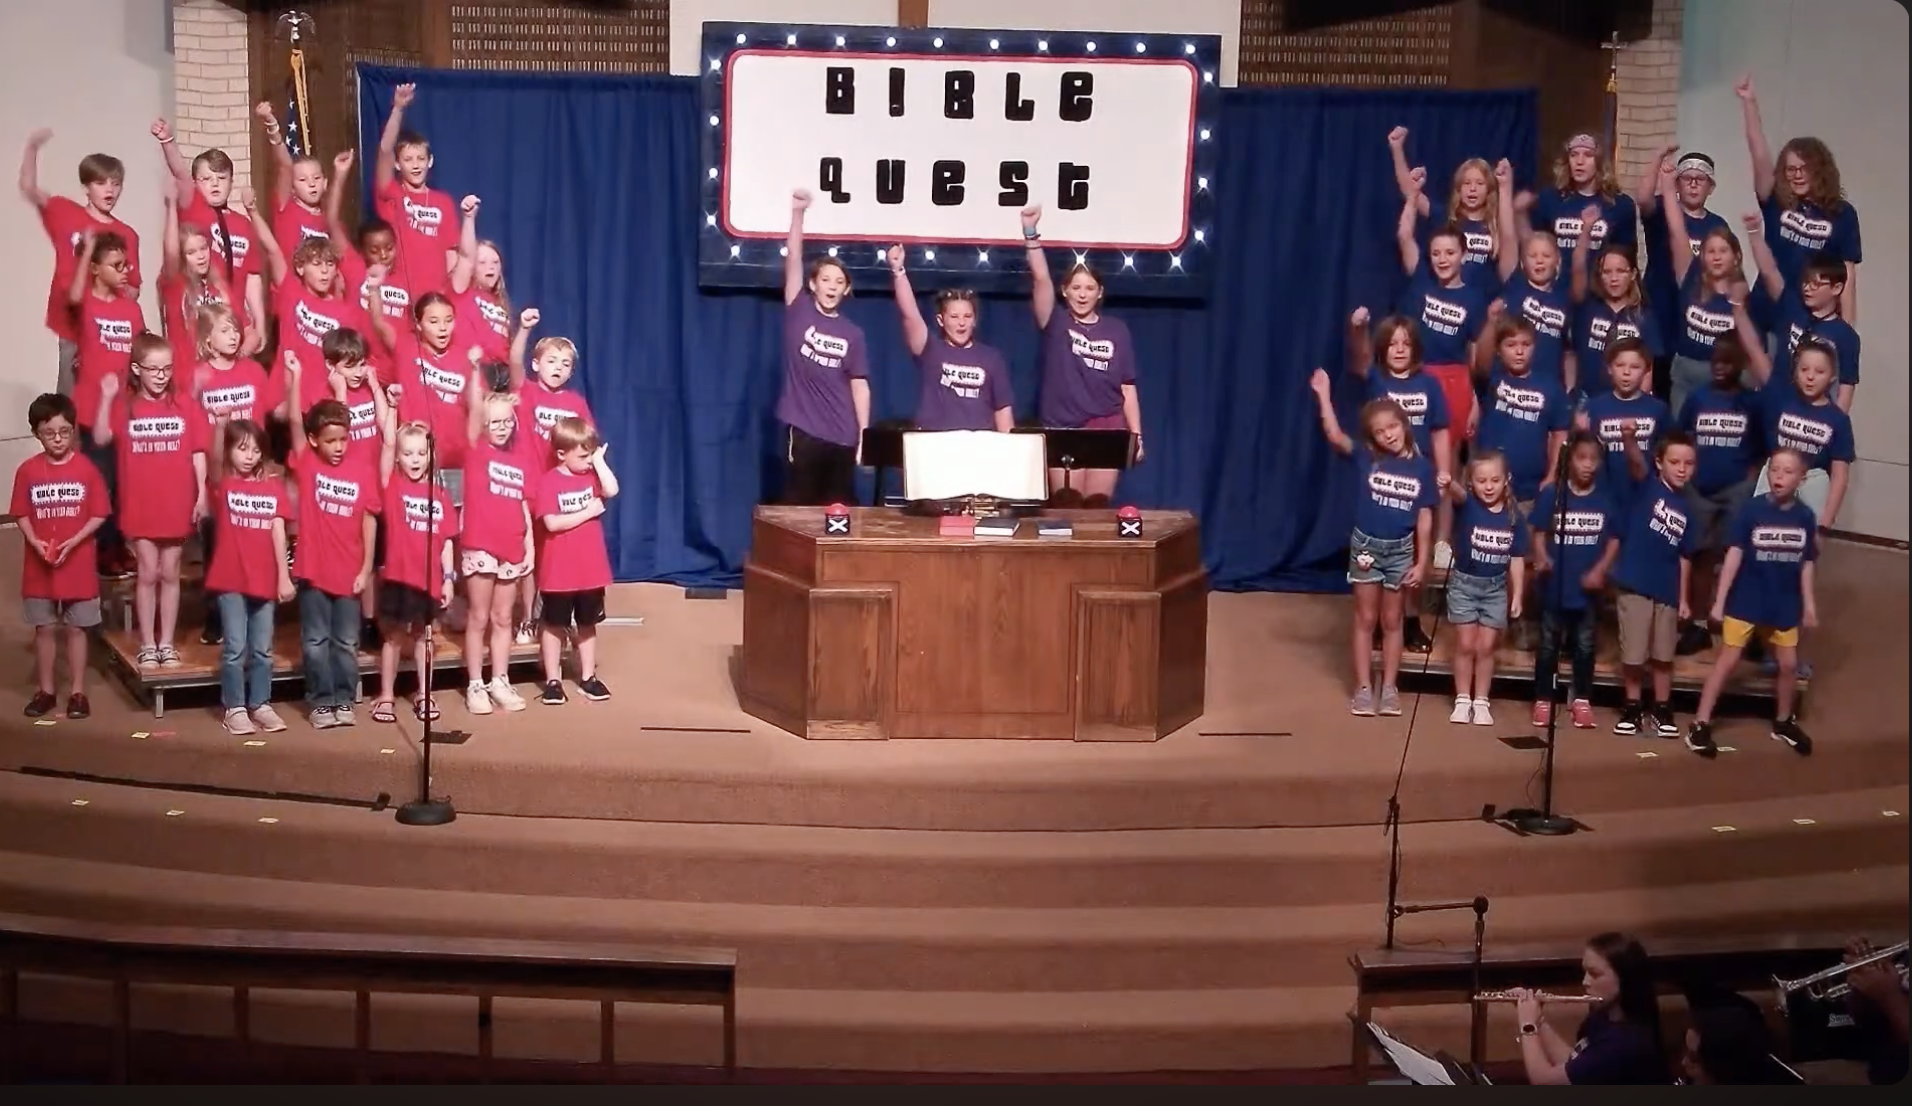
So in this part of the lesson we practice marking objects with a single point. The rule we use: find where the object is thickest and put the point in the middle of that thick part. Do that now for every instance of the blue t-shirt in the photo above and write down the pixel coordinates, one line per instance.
(1796, 233)
(1449, 317)
(1485, 540)
(1550, 310)
(1560, 211)
(1662, 290)
(1725, 427)
(1796, 321)
(1654, 538)
(1705, 314)
(1615, 1054)
(1598, 326)
(1393, 493)
(1579, 542)
(1518, 414)
(1417, 394)
(1821, 432)
(1774, 545)
(1606, 412)
(1478, 253)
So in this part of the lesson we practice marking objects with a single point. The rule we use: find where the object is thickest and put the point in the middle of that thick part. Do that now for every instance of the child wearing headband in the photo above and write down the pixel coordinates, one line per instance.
(1583, 175)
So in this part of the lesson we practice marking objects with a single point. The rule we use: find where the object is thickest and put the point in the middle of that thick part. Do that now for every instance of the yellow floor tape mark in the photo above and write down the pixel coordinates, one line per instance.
(46, 722)
(268, 821)
(1805, 821)
(1725, 829)
(253, 744)
(1647, 755)
(1728, 749)
(174, 813)
(388, 752)
(1888, 814)
(140, 735)
(81, 802)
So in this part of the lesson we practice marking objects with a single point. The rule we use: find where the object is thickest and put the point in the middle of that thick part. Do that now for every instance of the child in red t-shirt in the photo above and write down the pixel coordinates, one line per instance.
(298, 188)
(246, 570)
(238, 390)
(498, 550)
(478, 290)
(109, 318)
(311, 306)
(60, 501)
(352, 379)
(188, 283)
(332, 561)
(432, 378)
(416, 579)
(205, 190)
(159, 443)
(423, 216)
(103, 178)
(574, 566)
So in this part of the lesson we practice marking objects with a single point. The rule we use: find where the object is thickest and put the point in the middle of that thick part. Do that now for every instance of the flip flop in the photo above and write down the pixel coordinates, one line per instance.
(384, 711)
(424, 710)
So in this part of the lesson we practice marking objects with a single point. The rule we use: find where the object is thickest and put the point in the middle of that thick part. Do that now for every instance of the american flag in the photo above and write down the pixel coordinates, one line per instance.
(295, 136)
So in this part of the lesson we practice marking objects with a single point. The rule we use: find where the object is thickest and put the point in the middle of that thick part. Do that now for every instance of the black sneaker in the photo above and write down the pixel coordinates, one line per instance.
(1694, 638)
(553, 694)
(1699, 738)
(1632, 718)
(371, 638)
(594, 689)
(211, 633)
(1414, 639)
(1662, 716)
(41, 703)
(1788, 731)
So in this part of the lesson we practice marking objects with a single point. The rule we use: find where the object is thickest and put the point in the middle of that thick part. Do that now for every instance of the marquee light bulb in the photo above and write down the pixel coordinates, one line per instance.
(982, 257)
(1208, 77)
(715, 65)
(929, 255)
(839, 40)
(1188, 47)
(713, 172)
(1128, 261)
(735, 249)
(1204, 134)
(710, 220)
(1091, 47)
(891, 41)
(713, 121)
(790, 40)
(783, 251)
(1141, 48)
(994, 44)
(937, 42)
(1042, 44)
(741, 40)
(1201, 184)
(1175, 261)
(1201, 236)
(833, 251)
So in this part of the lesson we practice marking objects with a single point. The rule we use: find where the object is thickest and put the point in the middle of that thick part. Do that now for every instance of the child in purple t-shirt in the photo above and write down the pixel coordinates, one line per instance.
(1088, 366)
(825, 405)
(964, 383)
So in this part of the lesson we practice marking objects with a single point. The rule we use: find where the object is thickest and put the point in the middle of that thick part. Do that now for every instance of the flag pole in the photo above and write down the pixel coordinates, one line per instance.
(298, 26)
(1612, 137)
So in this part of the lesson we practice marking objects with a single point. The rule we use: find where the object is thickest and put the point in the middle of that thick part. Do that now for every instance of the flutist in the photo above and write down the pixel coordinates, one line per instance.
(1618, 1042)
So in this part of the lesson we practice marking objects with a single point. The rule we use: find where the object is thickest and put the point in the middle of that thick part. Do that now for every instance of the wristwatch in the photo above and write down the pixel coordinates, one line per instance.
(1528, 1029)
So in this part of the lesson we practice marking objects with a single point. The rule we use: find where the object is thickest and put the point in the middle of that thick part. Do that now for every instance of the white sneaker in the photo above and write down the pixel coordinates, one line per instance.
(1443, 555)
(1463, 710)
(267, 719)
(477, 701)
(238, 724)
(503, 694)
(527, 633)
(1483, 713)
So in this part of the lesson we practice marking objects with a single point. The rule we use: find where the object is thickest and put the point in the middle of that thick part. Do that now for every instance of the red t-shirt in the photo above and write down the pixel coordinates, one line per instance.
(155, 441)
(333, 501)
(574, 559)
(59, 499)
(66, 222)
(304, 321)
(394, 300)
(544, 407)
(363, 442)
(426, 224)
(245, 257)
(484, 322)
(415, 540)
(500, 481)
(179, 313)
(434, 393)
(293, 223)
(243, 559)
(107, 329)
(245, 391)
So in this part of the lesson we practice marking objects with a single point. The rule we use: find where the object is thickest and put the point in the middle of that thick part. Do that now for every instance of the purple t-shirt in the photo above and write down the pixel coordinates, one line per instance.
(821, 355)
(962, 386)
(1084, 366)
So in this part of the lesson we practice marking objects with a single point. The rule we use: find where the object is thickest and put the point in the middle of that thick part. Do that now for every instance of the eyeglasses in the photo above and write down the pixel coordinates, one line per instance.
(53, 433)
(501, 424)
(153, 368)
(122, 265)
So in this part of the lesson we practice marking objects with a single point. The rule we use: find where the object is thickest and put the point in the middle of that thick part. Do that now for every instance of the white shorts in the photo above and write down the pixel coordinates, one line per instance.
(472, 562)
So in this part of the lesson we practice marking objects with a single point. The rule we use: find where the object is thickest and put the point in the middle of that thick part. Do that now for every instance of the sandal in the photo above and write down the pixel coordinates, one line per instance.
(384, 711)
(424, 709)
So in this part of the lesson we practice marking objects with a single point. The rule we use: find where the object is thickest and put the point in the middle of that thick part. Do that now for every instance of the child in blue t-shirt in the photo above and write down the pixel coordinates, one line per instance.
(1389, 549)
(1797, 412)
(1485, 584)
(1814, 311)
(1657, 542)
(1723, 419)
(1524, 414)
(1710, 284)
(1578, 528)
(1805, 209)
(1766, 586)
(1626, 418)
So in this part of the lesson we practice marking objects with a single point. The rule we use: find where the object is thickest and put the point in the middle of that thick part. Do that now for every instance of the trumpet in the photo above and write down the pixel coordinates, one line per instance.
(1541, 997)
(1815, 986)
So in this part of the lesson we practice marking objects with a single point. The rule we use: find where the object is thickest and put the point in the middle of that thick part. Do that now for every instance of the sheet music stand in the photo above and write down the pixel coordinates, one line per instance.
(1072, 450)
(1457, 1074)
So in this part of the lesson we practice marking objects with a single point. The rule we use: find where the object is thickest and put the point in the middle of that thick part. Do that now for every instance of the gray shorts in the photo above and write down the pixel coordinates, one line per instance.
(1477, 600)
(81, 614)
(1374, 561)
(1713, 514)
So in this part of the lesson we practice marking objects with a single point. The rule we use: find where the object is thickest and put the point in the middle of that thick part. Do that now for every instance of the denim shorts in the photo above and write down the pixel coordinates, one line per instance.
(1374, 561)
(1477, 600)
(1713, 514)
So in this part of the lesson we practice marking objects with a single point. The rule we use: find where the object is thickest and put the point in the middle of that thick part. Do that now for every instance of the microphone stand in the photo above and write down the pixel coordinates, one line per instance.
(1477, 1025)
(425, 810)
(1545, 822)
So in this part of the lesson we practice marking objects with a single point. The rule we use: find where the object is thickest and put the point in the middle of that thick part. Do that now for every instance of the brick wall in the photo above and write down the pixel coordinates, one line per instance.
(1649, 87)
(211, 82)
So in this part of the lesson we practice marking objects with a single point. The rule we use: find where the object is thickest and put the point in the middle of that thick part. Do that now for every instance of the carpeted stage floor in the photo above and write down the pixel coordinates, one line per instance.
(958, 906)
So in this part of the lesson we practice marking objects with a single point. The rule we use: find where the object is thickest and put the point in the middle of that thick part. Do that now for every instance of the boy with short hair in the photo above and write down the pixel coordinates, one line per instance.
(103, 178)
(339, 501)
(60, 502)
(574, 569)
(1657, 543)
(205, 191)
(426, 219)
(1765, 587)
(1814, 312)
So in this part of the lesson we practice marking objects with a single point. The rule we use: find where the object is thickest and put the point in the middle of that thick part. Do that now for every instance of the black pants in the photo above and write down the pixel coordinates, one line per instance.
(817, 473)
(1578, 627)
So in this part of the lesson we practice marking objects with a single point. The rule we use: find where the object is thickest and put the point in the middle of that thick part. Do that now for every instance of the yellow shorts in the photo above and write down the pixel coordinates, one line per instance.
(1736, 634)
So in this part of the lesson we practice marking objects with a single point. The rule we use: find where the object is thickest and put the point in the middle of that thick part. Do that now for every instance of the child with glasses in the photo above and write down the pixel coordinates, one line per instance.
(60, 502)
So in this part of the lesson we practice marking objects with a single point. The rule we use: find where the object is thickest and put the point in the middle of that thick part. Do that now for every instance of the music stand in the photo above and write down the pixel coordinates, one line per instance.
(1417, 1067)
(1074, 449)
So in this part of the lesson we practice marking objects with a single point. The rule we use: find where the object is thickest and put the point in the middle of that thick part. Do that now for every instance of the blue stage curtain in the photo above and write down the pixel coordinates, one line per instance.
(590, 187)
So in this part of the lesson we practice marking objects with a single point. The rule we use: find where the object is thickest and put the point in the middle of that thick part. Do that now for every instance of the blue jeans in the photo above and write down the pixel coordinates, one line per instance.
(1554, 623)
(245, 653)
(328, 644)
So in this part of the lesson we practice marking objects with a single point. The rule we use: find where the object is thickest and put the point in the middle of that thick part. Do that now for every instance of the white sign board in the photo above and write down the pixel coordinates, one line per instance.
(948, 148)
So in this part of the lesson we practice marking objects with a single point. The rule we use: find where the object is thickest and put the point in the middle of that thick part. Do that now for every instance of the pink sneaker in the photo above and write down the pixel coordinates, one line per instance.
(1582, 715)
(1543, 714)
